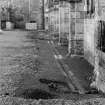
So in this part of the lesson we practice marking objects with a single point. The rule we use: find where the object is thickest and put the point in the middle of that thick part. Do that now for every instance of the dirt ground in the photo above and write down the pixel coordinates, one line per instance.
(24, 60)
(28, 68)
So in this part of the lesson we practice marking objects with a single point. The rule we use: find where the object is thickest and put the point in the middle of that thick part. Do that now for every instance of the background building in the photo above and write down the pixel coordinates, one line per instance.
(29, 9)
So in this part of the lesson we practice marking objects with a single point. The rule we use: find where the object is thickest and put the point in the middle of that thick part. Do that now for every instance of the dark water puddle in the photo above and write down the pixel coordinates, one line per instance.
(48, 81)
(35, 94)
(57, 86)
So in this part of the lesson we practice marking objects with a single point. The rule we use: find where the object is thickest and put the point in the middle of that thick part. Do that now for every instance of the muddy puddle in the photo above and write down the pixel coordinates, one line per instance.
(55, 88)
(35, 94)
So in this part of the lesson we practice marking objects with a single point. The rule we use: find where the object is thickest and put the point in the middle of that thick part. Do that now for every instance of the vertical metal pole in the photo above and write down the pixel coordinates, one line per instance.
(59, 23)
(75, 39)
(0, 17)
(56, 21)
(8, 12)
(63, 18)
(43, 19)
(49, 23)
(29, 9)
(69, 46)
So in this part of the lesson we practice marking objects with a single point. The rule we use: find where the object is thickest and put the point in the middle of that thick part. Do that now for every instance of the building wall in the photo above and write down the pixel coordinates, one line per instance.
(73, 23)
(95, 56)
(54, 22)
(89, 40)
(77, 28)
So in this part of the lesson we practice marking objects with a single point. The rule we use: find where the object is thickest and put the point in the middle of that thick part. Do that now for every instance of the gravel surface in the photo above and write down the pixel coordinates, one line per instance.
(25, 58)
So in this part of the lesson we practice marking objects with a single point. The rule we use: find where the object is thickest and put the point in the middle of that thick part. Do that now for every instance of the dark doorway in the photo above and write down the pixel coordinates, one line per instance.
(3, 24)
